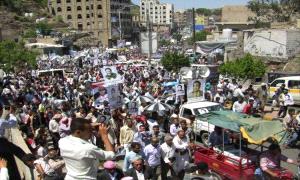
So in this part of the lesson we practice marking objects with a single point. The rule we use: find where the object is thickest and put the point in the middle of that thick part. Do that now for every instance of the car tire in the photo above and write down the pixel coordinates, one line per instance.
(216, 176)
(204, 138)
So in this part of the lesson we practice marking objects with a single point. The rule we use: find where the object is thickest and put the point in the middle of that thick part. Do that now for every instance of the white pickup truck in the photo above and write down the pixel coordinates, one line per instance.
(201, 127)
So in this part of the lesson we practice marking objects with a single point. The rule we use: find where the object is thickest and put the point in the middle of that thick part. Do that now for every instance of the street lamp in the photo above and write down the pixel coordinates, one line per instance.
(120, 22)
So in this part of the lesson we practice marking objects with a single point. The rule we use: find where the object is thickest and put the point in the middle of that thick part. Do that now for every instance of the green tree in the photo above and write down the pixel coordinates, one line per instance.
(177, 36)
(244, 68)
(15, 56)
(44, 27)
(30, 33)
(164, 42)
(199, 36)
(174, 61)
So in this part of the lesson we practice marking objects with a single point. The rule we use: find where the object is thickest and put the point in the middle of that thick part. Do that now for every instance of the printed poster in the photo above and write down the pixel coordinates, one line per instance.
(133, 108)
(111, 75)
(114, 96)
(195, 89)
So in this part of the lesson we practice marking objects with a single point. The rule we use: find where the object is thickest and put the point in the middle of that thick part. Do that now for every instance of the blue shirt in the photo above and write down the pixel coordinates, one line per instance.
(153, 155)
(128, 159)
(5, 124)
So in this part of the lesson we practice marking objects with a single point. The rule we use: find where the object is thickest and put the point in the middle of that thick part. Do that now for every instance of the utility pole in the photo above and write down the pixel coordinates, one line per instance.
(149, 36)
(120, 24)
(194, 30)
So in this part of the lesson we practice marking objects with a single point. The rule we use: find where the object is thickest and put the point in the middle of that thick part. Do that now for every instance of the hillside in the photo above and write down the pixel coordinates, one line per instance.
(14, 22)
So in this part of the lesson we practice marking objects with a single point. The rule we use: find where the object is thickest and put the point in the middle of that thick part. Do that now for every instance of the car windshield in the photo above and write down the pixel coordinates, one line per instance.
(204, 110)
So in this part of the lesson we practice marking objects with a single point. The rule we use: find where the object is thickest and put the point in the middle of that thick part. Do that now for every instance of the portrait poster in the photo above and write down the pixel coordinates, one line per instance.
(100, 96)
(133, 108)
(114, 96)
(195, 89)
(111, 76)
(103, 119)
(180, 90)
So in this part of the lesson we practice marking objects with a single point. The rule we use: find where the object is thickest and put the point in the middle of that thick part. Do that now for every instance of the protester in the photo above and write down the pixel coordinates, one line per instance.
(182, 158)
(271, 159)
(139, 170)
(262, 94)
(127, 134)
(142, 136)
(110, 172)
(239, 105)
(81, 157)
(174, 126)
(136, 151)
(3, 170)
(285, 99)
(216, 138)
(248, 109)
(168, 156)
(153, 156)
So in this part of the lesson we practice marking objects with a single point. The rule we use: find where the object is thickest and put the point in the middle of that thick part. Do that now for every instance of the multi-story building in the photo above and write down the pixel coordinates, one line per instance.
(101, 17)
(158, 13)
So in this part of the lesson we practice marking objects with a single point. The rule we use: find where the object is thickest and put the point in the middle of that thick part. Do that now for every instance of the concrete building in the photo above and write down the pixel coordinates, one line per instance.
(159, 13)
(236, 18)
(97, 16)
(277, 44)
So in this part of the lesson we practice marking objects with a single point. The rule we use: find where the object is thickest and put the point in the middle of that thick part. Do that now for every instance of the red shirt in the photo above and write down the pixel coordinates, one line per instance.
(248, 109)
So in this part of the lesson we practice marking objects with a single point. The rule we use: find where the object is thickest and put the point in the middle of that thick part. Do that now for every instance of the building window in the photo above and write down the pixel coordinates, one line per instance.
(69, 17)
(68, 1)
(88, 24)
(87, 7)
(92, 14)
(99, 7)
(59, 9)
(79, 16)
(99, 15)
(79, 1)
(80, 27)
(87, 16)
(92, 7)
(78, 8)
(58, 1)
(68, 8)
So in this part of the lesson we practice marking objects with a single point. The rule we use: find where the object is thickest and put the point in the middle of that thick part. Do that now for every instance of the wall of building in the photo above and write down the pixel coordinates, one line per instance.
(266, 43)
(293, 43)
(158, 13)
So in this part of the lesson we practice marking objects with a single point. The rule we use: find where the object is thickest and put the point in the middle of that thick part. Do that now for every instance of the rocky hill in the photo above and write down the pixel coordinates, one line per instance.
(17, 16)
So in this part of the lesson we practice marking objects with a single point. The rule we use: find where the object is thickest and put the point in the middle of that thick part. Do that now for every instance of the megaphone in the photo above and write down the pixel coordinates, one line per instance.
(186, 73)
(202, 71)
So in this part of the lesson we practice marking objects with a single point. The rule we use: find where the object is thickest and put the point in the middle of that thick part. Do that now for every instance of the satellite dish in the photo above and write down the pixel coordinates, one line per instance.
(203, 71)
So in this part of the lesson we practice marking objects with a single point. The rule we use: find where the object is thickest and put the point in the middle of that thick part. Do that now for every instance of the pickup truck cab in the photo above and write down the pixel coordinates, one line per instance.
(200, 126)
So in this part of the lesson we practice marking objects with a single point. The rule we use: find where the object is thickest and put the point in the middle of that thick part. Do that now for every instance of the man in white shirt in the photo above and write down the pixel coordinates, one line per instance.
(168, 153)
(237, 93)
(54, 128)
(81, 156)
(3, 170)
(153, 157)
(239, 105)
(182, 145)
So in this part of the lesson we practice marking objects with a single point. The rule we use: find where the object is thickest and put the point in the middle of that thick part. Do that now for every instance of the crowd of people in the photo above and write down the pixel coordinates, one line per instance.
(73, 131)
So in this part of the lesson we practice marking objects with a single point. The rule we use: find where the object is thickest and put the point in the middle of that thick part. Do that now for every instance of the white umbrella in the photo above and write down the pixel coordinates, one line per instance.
(144, 99)
(158, 107)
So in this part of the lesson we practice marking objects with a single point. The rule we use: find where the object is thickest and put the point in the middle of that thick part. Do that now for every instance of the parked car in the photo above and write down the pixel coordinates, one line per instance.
(200, 125)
